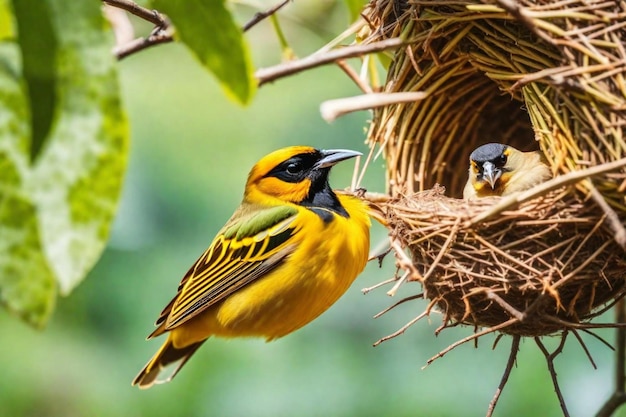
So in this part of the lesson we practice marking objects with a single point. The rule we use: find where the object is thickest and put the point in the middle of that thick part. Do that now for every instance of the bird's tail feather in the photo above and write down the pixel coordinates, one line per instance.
(165, 364)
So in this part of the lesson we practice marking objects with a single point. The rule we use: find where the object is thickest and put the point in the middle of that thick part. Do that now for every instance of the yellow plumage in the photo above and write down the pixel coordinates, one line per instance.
(290, 250)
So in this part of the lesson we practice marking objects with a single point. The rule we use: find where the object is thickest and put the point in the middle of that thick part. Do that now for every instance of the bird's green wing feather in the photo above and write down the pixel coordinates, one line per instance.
(254, 242)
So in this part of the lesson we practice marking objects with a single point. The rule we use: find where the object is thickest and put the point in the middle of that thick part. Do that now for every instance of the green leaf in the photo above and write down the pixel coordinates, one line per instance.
(208, 29)
(38, 45)
(27, 284)
(55, 212)
(6, 21)
(355, 7)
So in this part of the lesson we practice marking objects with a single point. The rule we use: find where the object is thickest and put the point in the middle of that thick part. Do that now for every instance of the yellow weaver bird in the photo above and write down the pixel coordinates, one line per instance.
(498, 170)
(290, 250)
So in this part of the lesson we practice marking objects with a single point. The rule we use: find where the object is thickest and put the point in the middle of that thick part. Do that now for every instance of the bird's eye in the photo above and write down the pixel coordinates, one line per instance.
(502, 160)
(294, 168)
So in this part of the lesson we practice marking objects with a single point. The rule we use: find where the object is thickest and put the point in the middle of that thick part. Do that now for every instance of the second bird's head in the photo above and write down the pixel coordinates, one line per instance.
(295, 174)
(490, 165)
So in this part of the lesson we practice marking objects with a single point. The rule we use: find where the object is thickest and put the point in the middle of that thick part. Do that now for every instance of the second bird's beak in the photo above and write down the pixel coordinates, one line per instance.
(332, 156)
(491, 174)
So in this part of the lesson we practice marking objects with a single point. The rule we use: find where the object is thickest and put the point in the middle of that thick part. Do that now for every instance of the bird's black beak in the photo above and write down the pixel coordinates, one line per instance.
(491, 173)
(332, 156)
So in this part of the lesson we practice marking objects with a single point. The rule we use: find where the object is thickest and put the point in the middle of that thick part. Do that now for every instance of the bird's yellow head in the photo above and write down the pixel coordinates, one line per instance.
(491, 166)
(297, 174)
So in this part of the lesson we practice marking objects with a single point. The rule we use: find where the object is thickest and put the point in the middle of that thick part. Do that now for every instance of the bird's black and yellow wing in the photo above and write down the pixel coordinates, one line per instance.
(253, 243)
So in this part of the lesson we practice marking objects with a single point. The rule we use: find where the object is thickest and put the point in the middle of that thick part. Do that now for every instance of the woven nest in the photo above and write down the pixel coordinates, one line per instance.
(536, 75)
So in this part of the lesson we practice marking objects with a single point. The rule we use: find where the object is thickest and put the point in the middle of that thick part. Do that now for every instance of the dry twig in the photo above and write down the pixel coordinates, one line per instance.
(258, 17)
(505, 376)
(404, 300)
(550, 362)
(269, 74)
(469, 338)
(619, 394)
(162, 32)
(402, 329)
(614, 221)
(151, 16)
(331, 109)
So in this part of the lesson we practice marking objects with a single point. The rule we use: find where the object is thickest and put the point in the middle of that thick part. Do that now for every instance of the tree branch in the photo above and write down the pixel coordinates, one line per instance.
(266, 75)
(162, 32)
(263, 15)
(131, 7)
(136, 45)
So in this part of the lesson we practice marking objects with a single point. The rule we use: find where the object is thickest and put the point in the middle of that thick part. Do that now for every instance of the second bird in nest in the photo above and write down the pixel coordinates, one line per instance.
(497, 170)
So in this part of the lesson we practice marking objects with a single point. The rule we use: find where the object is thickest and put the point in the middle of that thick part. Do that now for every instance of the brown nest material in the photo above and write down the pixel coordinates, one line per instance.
(548, 75)
(531, 270)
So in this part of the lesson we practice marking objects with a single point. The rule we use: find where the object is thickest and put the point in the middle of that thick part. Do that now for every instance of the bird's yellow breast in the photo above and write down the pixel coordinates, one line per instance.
(327, 258)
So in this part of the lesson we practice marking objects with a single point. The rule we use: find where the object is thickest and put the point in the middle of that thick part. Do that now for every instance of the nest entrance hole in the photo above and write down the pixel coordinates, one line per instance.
(455, 122)
(485, 115)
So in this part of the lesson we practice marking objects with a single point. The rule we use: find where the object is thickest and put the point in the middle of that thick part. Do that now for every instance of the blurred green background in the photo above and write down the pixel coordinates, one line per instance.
(190, 154)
